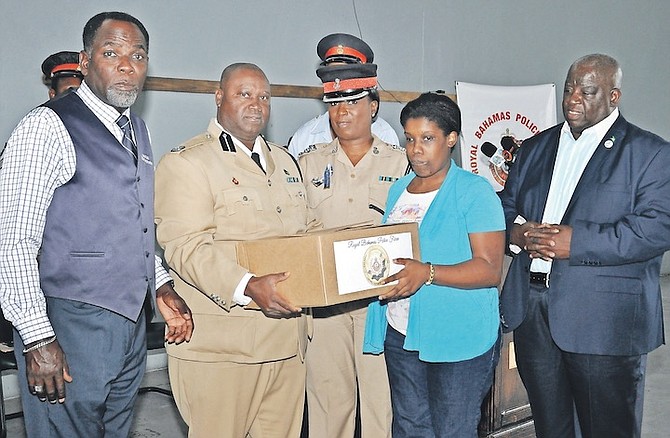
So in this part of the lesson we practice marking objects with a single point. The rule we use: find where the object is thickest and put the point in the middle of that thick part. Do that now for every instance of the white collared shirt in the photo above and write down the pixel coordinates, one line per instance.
(571, 160)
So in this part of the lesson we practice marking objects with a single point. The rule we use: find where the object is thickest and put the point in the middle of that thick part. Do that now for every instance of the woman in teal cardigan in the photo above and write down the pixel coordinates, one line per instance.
(439, 325)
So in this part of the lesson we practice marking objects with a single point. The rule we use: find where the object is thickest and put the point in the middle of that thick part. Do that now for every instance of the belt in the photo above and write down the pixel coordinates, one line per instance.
(541, 278)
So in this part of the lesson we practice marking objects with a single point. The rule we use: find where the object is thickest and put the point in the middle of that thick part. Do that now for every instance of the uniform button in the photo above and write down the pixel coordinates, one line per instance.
(351, 199)
(142, 204)
(145, 230)
(278, 209)
(244, 198)
(138, 179)
(269, 183)
(353, 175)
(146, 254)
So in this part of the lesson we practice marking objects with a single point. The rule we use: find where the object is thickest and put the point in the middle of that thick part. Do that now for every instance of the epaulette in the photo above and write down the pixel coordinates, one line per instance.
(396, 147)
(308, 149)
(189, 144)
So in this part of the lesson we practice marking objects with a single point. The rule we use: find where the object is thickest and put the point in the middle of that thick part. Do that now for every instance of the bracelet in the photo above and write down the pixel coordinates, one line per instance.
(431, 277)
(39, 344)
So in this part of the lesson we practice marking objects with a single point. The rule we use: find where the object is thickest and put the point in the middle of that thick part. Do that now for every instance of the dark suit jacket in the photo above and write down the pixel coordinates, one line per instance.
(606, 298)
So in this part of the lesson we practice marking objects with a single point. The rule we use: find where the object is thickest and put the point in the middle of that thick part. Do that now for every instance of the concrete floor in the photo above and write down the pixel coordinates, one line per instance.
(157, 415)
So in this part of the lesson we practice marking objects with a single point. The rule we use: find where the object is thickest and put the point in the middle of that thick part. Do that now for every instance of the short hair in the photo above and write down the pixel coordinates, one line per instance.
(92, 26)
(603, 63)
(225, 74)
(437, 108)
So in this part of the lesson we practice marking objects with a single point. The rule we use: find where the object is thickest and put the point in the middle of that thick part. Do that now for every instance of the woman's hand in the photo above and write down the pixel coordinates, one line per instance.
(410, 279)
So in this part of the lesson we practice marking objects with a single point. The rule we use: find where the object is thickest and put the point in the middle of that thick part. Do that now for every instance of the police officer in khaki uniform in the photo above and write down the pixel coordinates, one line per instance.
(61, 73)
(243, 372)
(347, 182)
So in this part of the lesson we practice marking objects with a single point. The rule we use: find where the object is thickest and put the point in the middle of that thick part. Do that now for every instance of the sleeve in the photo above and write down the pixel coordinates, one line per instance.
(33, 168)
(162, 275)
(299, 141)
(483, 210)
(186, 229)
(508, 196)
(637, 236)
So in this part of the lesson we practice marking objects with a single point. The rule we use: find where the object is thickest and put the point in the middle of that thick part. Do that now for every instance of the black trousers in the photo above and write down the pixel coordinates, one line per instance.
(606, 392)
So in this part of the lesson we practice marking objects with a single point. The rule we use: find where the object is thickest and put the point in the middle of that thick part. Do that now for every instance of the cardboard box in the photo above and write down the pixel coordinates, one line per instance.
(332, 266)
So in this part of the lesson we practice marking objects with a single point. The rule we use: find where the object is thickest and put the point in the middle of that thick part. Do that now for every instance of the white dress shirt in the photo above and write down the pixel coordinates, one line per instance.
(571, 160)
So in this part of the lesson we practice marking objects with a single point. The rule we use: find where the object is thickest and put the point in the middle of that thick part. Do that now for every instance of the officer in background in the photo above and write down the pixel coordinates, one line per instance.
(338, 48)
(61, 73)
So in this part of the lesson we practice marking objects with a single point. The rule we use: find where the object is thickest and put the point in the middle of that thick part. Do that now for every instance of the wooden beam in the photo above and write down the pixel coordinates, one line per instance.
(154, 83)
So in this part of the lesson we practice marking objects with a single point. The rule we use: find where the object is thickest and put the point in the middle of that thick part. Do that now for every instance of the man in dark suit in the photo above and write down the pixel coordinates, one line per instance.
(587, 205)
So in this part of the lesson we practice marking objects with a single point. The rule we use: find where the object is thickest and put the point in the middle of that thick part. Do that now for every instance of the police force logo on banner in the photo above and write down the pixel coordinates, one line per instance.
(496, 120)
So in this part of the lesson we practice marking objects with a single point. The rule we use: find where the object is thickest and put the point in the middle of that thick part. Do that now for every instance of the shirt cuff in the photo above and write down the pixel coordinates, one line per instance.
(162, 275)
(238, 295)
(515, 249)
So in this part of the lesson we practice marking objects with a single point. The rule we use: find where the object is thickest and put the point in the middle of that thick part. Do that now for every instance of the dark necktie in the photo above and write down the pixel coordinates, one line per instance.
(257, 160)
(127, 142)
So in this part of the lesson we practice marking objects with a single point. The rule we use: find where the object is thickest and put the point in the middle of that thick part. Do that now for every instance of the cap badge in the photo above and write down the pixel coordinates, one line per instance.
(337, 83)
(340, 49)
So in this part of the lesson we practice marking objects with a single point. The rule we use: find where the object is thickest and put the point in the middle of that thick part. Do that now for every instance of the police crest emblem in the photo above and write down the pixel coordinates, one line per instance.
(376, 264)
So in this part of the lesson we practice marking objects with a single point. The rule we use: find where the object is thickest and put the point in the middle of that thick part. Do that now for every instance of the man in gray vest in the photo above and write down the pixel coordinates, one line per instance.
(77, 259)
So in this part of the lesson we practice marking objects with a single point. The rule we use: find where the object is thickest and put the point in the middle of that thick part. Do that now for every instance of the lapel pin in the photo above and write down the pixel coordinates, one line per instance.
(609, 142)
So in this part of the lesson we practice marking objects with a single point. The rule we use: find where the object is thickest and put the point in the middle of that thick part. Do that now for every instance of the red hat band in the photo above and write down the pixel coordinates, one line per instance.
(349, 84)
(342, 50)
(64, 67)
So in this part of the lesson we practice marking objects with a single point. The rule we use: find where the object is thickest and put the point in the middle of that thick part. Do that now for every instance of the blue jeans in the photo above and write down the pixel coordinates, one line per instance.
(436, 400)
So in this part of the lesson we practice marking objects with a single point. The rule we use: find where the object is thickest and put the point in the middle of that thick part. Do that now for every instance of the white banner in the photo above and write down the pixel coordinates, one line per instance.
(495, 120)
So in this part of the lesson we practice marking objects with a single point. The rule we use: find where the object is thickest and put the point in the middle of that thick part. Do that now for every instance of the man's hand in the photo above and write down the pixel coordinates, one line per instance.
(547, 241)
(410, 279)
(263, 290)
(47, 371)
(176, 314)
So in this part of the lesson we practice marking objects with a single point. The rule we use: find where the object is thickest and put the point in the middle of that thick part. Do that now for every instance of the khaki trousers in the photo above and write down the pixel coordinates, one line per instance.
(224, 399)
(336, 369)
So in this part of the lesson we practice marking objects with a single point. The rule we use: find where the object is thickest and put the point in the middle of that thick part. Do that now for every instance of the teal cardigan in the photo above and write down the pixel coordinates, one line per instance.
(447, 324)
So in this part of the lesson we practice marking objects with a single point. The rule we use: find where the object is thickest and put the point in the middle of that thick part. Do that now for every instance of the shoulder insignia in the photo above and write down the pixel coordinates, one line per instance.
(308, 149)
(178, 148)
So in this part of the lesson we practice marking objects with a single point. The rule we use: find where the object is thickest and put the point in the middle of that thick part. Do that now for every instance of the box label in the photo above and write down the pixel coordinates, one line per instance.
(360, 264)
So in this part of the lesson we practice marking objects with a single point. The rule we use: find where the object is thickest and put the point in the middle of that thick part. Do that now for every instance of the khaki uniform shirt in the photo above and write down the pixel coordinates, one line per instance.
(208, 196)
(355, 193)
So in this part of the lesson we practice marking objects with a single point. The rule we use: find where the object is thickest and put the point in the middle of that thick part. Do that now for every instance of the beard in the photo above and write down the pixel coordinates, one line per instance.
(121, 99)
